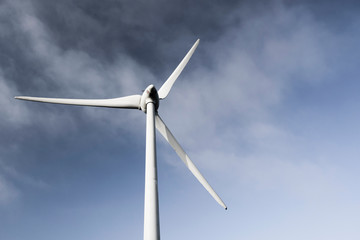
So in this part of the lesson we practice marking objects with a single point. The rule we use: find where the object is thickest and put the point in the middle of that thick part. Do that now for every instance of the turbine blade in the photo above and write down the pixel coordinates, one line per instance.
(162, 128)
(166, 87)
(132, 101)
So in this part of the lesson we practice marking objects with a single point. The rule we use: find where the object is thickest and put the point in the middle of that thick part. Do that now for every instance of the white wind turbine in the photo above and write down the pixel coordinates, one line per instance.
(148, 102)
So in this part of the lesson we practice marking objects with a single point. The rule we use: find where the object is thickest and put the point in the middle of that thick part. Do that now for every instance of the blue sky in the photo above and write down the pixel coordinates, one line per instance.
(267, 108)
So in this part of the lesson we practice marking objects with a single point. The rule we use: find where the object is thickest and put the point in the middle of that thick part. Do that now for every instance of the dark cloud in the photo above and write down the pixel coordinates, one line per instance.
(17, 63)
(147, 31)
(137, 28)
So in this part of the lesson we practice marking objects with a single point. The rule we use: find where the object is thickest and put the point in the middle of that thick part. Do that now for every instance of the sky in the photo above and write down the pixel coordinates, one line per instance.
(268, 108)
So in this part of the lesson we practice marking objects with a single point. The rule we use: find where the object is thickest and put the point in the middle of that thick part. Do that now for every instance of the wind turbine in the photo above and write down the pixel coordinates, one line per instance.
(148, 102)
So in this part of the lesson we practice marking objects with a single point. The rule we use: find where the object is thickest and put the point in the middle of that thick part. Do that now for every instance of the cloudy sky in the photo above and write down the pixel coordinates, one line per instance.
(268, 108)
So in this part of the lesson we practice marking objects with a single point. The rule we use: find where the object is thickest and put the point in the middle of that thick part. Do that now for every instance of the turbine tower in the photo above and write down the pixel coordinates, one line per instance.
(148, 102)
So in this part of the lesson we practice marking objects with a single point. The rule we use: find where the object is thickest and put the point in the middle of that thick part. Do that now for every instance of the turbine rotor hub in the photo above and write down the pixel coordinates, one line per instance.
(149, 95)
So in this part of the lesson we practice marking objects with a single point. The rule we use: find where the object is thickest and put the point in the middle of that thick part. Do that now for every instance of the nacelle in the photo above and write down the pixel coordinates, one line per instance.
(149, 95)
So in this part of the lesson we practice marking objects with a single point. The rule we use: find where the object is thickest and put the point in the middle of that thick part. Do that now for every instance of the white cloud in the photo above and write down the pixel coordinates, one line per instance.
(8, 193)
(75, 74)
(224, 115)
(10, 113)
(22, 178)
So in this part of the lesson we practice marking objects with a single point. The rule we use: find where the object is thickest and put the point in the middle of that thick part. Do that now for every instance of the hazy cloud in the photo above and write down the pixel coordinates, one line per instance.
(8, 193)
(260, 109)
(228, 111)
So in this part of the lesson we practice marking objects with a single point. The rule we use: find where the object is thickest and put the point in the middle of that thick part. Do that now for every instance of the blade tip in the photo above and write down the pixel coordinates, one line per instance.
(21, 97)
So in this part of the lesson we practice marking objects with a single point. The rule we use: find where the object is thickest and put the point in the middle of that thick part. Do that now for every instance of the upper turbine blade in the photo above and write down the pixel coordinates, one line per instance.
(132, 101)
(166, 87)
(162, 128)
